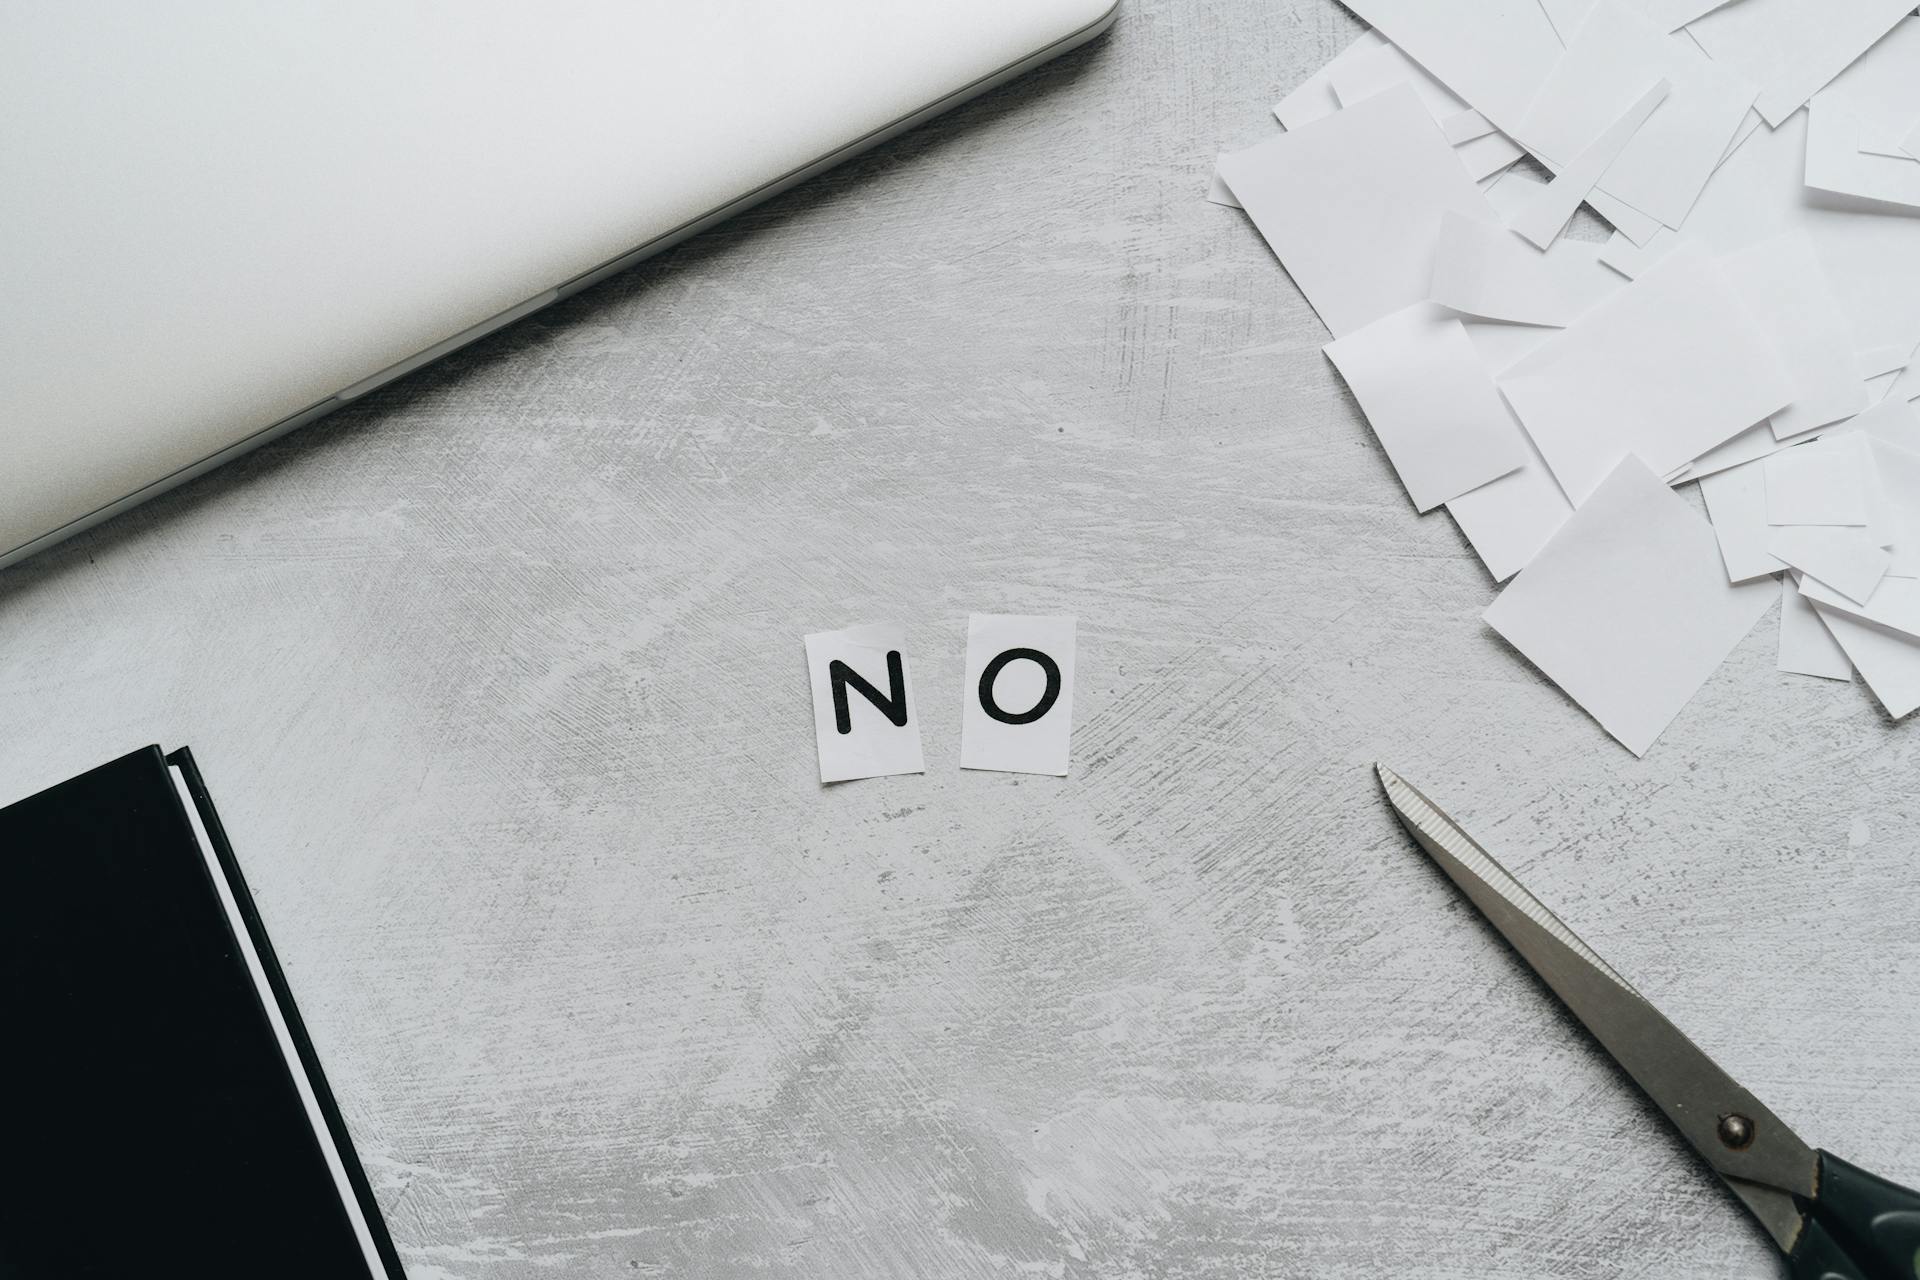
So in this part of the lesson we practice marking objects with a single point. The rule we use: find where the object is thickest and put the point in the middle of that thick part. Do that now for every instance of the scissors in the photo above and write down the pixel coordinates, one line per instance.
(1831, 1220)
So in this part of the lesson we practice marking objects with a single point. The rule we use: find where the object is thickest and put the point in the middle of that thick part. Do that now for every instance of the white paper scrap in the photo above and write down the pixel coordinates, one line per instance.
(1430, 401)
(1218, 192)
(1897, 517)
(1737, 505)
(1483, 269)
(1751, 445)
(1351, 204)
(1016, 713)
(1493, 54)
(1807, 648)
(863, 716)
(1627, 608)
(1465, 125)
(1666, 369)
(1844, 559)
(1482, 151)
(1824, 482)
(1313, 98)
(1895, 603)
(1880, 92)
(1544, 219)
(1508, 520)
(1605, 69)
(1836, 163)
(1671, 15)
(1888, 662)
(1792, 48)
(1890, 358)
(1784, 287)
(1630, 259)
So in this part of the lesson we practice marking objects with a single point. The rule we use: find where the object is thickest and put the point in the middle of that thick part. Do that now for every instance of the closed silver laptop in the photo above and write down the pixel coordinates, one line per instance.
(222, 219)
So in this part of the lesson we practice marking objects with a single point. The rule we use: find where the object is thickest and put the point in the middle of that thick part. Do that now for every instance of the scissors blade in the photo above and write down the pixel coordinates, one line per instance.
(1764, 1162)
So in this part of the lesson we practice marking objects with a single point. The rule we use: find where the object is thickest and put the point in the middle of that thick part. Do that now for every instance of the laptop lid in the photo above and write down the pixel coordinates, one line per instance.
(224, 219)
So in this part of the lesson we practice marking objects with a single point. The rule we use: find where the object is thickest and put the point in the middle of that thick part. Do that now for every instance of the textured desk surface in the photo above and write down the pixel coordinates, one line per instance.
(497, 678)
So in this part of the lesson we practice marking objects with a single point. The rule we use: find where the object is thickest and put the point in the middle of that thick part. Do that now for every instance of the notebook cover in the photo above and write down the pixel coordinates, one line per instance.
(151, 1123)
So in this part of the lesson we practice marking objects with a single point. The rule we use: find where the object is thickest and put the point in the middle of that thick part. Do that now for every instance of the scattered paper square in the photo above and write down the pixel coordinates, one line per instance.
(1844, 559)
(1377, 70)
(1664, 370)
(1484, 269)
(1792, 48)
(1737, 505)
(1824, 482)
(1350, 204)
(1606, 67)
(1494, 54)
(1627, 608)
(1217, 190)
(1313, 99)
(1508, 520)
(1807, 648)
(1430, 401)
(1783, 286)
(1542, 221)
(1888, 662)
(1894, 604)
(1017, 710)
(863, 716)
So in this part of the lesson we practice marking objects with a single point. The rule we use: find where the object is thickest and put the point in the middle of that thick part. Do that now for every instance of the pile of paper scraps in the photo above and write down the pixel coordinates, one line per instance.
(1750, 325)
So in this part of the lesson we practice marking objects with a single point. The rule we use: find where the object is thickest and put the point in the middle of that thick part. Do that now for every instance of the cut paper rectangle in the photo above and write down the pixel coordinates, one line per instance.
(1483, 269)
(1756, 442)
(1603, 72)
(1880, 92)
(1671, 15)
(1824, 482)
(1350, 204)
(1508, 520)
(1784, 287)
(1546, 217)
(1630, 259)
(1807, 648)
(1737, 504)
(1889, 663)
(1664, 370)
(1845, 559)
(1792, 48)
(1218, 192)
(1630, 222)
(1016, 713)
(864, 722)
(1465, 125)
(1836, 163)
(1895, 604)
(1890, 358)
(1430, 401)
(1628, 608)
(1313, 99)
(1377, 70)
(1872, 259)
(1493, 54)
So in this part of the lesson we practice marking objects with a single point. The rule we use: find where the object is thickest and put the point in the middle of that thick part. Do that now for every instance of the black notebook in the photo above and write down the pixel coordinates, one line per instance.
(164, 1111)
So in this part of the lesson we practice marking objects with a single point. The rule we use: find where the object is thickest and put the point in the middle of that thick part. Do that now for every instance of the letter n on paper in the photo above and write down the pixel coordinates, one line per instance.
(863, 716)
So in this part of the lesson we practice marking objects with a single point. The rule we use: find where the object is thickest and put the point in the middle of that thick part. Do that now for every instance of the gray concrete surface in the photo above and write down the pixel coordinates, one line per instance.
(497, 679)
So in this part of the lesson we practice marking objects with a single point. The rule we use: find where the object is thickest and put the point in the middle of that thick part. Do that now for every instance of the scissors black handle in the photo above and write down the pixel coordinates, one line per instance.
(1859, 1227)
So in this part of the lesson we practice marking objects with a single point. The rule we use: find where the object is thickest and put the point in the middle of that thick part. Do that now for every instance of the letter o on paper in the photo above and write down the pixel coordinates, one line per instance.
(1048, 696)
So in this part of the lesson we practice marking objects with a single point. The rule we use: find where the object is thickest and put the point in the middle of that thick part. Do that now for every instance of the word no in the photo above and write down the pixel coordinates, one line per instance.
(1016, 715)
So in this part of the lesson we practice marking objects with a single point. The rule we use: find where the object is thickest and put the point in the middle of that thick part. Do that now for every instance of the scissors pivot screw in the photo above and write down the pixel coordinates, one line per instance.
(1736, 1131)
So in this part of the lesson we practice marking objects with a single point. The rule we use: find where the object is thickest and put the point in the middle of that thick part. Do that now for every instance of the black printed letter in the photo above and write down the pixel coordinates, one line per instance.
(893, 706)
(1040, 708)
